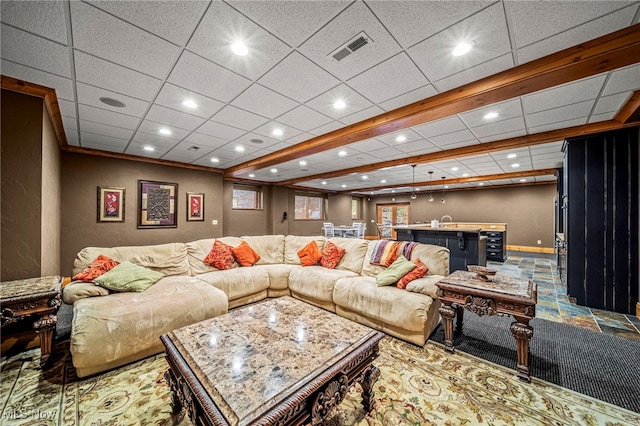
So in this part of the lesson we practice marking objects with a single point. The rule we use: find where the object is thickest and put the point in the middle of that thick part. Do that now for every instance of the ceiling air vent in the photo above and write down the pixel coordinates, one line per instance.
(193, 148)
(351, 46)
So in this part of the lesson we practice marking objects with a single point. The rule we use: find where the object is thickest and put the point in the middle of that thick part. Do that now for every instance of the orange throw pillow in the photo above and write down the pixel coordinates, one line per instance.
(331, 255)
(418, 272)
(245, 255)
(220, 256)
(310, 254)
(100, 265)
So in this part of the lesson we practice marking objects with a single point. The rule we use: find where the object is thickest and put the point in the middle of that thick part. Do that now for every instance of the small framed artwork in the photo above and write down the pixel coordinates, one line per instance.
(157, 204)
(195, 206)
(110, 204)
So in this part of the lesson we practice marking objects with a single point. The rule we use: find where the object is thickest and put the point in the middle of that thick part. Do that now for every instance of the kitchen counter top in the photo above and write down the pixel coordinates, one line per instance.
(427, 227)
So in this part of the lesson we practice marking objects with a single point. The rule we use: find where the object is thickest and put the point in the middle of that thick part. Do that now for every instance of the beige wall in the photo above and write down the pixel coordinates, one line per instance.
(21, 173)
(527, 210)
(51, 200)
(81, 176)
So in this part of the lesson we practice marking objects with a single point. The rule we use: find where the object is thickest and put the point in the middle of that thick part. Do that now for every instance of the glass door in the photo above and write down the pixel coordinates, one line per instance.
(392, 214)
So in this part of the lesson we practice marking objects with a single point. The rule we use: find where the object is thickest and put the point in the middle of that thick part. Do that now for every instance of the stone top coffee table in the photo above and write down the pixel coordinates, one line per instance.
(498, 296)
(278, 362)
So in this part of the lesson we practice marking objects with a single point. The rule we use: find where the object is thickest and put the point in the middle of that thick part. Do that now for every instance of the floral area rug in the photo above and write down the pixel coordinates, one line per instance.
(417, 386)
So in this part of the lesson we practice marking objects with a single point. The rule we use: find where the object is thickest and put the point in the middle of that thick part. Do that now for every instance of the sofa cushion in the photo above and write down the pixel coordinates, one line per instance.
(99, 266)
(77, 290)
(169, 259)
(354, 256)
(245, 255)
(331, 255)
(419, 272)
(310, 254)
(398, 269)
(293, 243)
(198, 250)
(386, 304)
(436, 258)
(425, 285)
(238, 282)
(316, 282)
(269, 247)
(128, 277)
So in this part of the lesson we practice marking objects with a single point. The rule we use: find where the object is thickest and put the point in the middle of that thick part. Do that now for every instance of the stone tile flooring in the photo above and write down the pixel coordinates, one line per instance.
(554, 304)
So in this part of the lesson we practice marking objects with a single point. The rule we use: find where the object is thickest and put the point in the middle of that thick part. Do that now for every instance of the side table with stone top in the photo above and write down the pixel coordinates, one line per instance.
(34, 299)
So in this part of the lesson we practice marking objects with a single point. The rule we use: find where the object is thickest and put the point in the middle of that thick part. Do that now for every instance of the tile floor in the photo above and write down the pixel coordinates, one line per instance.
(554, 304)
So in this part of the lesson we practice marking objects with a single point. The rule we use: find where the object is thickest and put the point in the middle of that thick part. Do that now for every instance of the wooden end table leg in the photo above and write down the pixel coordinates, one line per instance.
(45, 327)
(176, 404)
(448, 313)
(369, 378)
(523, 332)
(459, 318)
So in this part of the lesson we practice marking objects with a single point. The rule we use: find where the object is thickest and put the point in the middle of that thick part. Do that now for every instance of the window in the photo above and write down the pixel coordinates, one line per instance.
(309, 207)
(247, 197)
(356, 208)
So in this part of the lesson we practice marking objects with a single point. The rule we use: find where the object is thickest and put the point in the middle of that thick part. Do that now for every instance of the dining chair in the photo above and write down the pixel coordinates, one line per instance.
(328, 230)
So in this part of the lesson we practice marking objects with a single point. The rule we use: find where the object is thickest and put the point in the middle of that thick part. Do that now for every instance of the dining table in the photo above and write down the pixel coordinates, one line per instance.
(345, 231)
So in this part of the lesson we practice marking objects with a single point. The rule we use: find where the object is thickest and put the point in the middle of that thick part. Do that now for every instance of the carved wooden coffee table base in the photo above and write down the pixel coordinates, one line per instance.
(502, 296)
(289, 363)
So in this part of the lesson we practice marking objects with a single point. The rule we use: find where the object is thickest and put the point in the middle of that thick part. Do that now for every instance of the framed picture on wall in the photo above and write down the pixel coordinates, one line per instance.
(195, 206)
(110, 204)
(157, 204)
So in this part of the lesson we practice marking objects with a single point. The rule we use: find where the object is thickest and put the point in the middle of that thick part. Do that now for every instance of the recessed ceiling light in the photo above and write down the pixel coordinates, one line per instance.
(365, 177)
(324, 182)
(446, 187)
(383, 181)
(523, 180)
(393, 190)
(251, 175)
(274, 170)
(189, 103)
(277, 132)
(215, 160)
(490, 115)
(149, 148)
(401, 138)
(342, 153)
(454, 169)
(512, 156)
(514, 165)
(481, 183)
(339, 104)
(344, 186)
(302, 163)
(112, 102)
(239, 148)
(465, 174)
(239, 48)
(462, 49)
(164, 131)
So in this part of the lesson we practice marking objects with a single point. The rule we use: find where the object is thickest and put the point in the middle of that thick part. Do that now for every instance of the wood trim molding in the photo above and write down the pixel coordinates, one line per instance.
(602, 54)
(630, 111)
(534, 249)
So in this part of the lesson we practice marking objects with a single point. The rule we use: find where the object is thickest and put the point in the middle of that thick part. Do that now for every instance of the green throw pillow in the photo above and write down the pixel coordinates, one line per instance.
(398, 269)
(128, 277)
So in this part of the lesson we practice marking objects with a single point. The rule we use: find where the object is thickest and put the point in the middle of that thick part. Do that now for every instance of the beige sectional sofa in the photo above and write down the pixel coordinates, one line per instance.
(113, 329)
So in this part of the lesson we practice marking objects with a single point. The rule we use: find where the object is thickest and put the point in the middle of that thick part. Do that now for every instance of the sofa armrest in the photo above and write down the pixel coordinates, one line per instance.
(425, 285)
(76, 290)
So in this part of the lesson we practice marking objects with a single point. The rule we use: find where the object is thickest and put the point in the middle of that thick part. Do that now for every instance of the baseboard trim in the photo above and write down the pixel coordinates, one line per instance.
(548, 250)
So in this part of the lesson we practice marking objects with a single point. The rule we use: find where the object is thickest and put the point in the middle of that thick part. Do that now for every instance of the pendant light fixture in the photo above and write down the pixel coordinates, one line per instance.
(413, 183)
(430, 187)
(443, 201)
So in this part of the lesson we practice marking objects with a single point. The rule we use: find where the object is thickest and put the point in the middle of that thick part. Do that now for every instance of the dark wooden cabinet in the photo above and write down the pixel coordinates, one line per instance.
(496, 245)
(601, 184)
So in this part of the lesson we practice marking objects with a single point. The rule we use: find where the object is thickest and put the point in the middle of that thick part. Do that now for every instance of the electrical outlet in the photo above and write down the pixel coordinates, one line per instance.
(539, 241)
(215, 222)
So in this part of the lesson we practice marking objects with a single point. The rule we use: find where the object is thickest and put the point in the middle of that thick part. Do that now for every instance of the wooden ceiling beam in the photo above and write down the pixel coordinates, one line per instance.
(602, 54)
(630, 111)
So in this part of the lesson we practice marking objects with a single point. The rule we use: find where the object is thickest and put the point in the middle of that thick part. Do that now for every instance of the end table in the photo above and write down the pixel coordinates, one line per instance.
(37, 299)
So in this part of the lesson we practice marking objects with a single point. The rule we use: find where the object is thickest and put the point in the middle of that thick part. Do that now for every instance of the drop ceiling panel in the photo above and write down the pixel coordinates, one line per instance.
(300, 138)
(44, 18)
(103, 147)
(250, 140)
(611, 102)
(260, 100)
(173, 118)
(354, 102)
(105, 74)
(368, 145)
(334, 125)
(395, 75)
(205, 140)
(532, 23)
(172, 20)
(451, 138)
(155, 140)
(220, 131)
(355, 19)
(33, 51)
(304, 118)
(440, 127)
(362, 115)
(602, 117)
(108, 37)
(507, 109)
(292, 22)
(105, 141)
(474, 73)
(63, 86)
(90, 95)
(509, 125)
(67, 108)
(588, 31)
(153, 128)
(72, 137)
(623, 80)
(187, 152)
(103, 116)
(409, 97)
(221, 27)
(69, 123)
(487, 29)
(298, 78)
(563, 113)
(546, 148)
(173, 97)
(408, 134)
(558, 125)
(565, 94)
(199, 75)
(548, 178)
(387, 154)
(268, 129)
(501, 136)
(236, 117)
(136, 148)
(102, 129)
